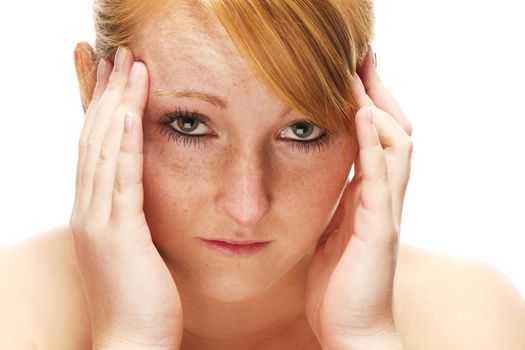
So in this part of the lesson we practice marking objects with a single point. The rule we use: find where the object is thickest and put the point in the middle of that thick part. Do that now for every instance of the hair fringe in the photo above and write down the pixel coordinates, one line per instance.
(305, 51)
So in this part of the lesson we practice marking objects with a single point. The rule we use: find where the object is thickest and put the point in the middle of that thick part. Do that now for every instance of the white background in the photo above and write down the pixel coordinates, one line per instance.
(456, 67)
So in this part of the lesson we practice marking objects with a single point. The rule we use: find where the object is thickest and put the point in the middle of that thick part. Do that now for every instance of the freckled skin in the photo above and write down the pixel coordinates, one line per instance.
(245, 183)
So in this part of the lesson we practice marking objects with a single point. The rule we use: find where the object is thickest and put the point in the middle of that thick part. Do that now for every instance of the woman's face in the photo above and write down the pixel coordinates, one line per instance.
(245, 180)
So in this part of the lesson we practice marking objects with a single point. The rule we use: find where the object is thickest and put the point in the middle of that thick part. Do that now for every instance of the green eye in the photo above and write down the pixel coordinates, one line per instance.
(184, 127)
(191, 128)
(302, 129)
(187, 124)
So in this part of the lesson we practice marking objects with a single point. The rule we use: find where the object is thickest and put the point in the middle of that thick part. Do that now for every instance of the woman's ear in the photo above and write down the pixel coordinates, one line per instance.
(85, 60)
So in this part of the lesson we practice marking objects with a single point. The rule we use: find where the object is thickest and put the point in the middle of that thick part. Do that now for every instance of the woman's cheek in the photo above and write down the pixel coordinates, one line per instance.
(309, 188)
(177, 171)
(175, 180)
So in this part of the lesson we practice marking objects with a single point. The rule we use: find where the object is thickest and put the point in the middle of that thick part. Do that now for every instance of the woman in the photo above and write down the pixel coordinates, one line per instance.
(264, 141)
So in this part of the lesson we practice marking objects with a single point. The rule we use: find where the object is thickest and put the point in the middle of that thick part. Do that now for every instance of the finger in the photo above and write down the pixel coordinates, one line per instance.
(375, 195)
(379, 94)
(103, 115)
(391, 134)
(398, 146)
(105, 176)
(394, 140)
(128, 195)
(128, 192)
(364, 101)
(103, 71)
(362, 97)
(372, 248)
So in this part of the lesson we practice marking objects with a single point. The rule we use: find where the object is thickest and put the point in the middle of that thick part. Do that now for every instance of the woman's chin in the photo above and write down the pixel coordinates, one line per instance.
(228, 280)
(218, 288)
(231, 288)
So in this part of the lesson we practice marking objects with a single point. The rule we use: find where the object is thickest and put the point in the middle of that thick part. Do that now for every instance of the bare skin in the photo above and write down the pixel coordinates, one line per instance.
(473, 304)
(245, 184)
(224, 307)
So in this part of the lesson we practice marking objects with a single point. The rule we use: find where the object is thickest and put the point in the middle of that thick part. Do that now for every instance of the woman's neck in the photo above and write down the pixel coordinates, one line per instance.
(273, 320)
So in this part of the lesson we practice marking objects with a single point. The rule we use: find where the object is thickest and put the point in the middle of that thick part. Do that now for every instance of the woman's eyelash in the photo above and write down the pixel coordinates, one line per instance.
(319, 144)
(166, 130)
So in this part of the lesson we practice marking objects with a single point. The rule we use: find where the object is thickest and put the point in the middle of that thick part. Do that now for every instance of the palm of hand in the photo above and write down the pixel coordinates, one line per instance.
(340, 297)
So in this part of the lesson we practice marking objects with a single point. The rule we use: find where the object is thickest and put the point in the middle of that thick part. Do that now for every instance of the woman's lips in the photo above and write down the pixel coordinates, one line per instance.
(236, 249)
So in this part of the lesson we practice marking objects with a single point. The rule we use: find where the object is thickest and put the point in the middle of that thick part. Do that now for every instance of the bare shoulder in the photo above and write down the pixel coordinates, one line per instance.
(441, 302)
(446, 302)
(39, 283)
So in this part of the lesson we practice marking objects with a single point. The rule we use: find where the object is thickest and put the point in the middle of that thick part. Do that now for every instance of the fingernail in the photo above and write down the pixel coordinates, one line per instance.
(128, 123)
(100, 70)
(134, 74)
(120, 58)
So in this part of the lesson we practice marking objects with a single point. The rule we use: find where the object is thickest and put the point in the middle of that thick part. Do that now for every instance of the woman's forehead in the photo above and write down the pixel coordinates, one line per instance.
(183, 27)
(179, 44)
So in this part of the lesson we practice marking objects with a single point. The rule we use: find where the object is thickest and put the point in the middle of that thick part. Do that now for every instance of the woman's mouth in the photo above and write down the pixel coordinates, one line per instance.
(235, 248)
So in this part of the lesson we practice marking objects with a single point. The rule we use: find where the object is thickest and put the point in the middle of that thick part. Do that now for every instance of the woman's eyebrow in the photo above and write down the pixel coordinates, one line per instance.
(213, 99)
(205, 96)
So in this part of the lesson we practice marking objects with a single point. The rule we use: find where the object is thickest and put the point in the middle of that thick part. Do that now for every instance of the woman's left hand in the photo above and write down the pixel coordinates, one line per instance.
(349, 290)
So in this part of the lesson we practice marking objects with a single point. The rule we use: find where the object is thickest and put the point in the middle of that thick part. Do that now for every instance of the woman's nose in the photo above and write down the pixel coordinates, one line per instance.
(243, 195)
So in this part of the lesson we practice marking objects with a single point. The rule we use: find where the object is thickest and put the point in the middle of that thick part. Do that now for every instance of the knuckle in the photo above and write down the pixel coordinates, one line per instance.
(104, 153)
(120, 184)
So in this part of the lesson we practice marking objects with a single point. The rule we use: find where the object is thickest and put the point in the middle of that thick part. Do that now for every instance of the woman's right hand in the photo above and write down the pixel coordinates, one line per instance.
(132, 298)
